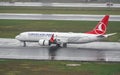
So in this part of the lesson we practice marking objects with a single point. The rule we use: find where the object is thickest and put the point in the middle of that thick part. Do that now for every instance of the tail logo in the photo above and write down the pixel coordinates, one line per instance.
(101, 28)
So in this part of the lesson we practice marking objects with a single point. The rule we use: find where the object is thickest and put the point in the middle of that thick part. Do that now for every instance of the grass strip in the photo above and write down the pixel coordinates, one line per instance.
(35, 67)
(60, 10)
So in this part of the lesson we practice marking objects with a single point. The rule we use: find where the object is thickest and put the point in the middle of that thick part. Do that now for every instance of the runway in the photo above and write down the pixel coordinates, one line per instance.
(107, 51)
(49, 4)
(80, 17)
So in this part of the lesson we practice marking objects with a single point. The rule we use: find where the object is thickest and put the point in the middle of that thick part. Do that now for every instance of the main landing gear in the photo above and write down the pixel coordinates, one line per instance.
(65, 45)
(24, 44)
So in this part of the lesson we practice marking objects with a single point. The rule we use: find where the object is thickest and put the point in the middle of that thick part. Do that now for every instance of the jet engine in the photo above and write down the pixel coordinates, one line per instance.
(43, 42)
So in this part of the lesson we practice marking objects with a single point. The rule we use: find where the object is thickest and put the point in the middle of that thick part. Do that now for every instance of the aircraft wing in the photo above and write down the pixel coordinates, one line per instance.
(58, 40)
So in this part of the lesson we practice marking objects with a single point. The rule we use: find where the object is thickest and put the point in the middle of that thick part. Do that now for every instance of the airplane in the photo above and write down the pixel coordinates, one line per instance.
(61, 39)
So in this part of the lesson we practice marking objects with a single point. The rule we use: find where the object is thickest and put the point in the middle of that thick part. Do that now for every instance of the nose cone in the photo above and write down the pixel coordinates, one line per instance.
(17, 37)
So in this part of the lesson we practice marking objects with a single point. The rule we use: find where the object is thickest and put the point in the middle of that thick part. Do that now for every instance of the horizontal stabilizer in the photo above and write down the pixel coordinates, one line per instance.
(107, 35)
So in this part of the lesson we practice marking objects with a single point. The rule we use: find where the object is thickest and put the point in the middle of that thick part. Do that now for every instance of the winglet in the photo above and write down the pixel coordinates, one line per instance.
(52, 38)
(100, 27)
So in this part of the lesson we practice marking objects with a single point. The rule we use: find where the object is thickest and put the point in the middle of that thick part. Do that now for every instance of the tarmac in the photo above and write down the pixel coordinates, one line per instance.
(53, 4)
(75, 17)
(106, 51)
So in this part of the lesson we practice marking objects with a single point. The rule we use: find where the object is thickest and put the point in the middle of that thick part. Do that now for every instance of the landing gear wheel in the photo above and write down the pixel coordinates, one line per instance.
(65, 45)
(58, 45)
(24, 44)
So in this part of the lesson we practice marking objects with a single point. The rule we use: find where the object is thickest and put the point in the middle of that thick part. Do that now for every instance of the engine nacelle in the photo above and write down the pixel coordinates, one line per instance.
(43, 42)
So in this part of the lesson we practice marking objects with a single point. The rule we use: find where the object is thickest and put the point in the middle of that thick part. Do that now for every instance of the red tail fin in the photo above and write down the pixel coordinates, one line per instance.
(100, 27)
(52, 38)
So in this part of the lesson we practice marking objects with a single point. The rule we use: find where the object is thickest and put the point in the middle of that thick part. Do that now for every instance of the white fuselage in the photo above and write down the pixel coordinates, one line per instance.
(61, 36)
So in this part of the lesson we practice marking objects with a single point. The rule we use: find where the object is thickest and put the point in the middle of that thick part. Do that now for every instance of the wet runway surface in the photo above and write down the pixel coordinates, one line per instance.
(86, 52)
(23, 53)
(74, 54)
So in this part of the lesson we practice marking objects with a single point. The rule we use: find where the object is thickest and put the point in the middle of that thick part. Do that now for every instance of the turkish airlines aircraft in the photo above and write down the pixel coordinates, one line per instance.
(62, 39)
